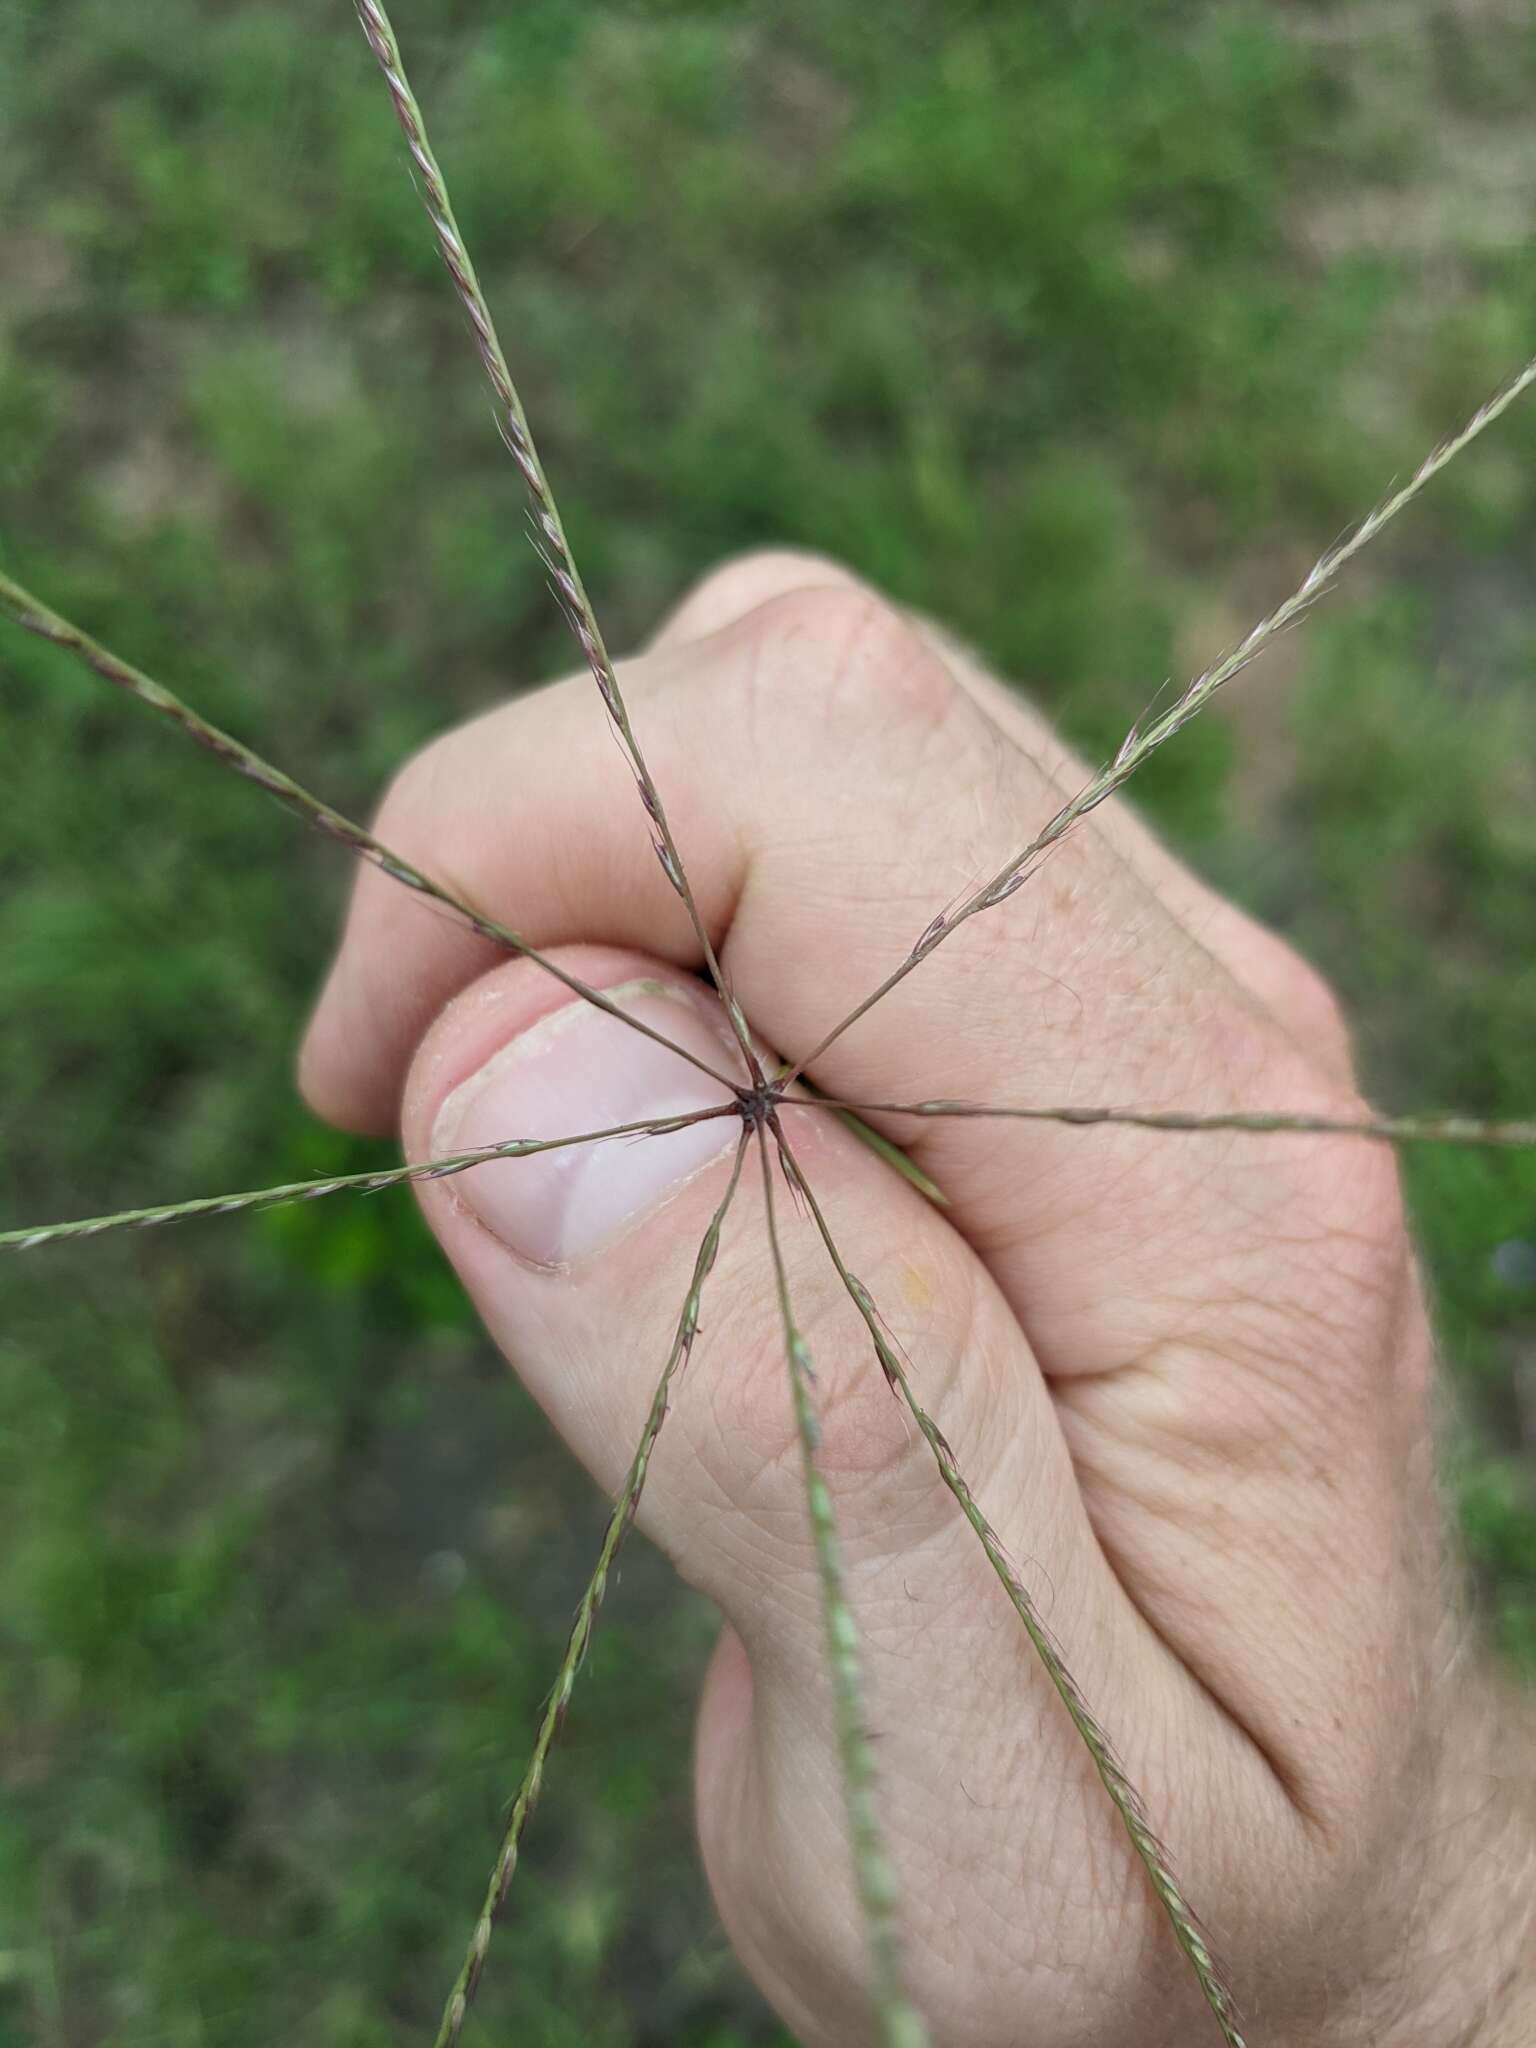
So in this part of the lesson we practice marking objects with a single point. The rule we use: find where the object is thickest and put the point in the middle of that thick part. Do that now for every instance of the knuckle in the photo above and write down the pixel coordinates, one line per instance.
(423, 818)
(858, 1445)
(1349, 1192)
(1307, 1005)
(423, 813)
(1312, 1260)
(407, 798)
(845, 654)
(745, 582)
(879, 1470)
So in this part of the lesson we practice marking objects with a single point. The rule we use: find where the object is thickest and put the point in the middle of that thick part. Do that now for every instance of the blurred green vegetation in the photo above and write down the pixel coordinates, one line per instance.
(1083, 327)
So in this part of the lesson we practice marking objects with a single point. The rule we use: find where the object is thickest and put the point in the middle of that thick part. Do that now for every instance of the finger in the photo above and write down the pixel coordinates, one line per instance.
(1252, 955)
(578, 1267)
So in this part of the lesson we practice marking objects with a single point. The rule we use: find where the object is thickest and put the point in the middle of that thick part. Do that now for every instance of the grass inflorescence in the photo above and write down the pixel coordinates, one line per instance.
(1140, 743)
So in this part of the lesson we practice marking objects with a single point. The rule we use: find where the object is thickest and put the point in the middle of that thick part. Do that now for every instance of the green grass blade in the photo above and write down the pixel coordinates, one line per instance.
(1127, 1800)
(887, 1149)
(900, 2024)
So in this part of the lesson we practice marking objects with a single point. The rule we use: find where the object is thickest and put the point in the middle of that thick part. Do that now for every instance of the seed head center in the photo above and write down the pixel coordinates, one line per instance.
(757, 1104)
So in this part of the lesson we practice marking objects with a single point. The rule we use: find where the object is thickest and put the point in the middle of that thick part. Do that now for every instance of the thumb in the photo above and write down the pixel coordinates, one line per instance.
(579, 1259)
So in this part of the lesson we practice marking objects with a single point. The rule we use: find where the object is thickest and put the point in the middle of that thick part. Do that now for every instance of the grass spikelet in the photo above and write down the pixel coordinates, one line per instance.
(1143, 741)
(31, 1237)
(1470, 1131)
(35, 617)
(624, 1510)
(550, 536)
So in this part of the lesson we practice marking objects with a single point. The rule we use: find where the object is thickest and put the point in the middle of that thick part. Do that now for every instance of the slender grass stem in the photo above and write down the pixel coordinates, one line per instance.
(30, 613)
(552, 543)
(1127, 1800)
(1389, 1130)
(1143, 740)
(624, 1510)
(30, 1238)
(900, 2024)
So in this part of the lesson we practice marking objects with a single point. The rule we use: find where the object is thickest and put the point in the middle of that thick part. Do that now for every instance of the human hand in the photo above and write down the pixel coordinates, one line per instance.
(1189, 1377)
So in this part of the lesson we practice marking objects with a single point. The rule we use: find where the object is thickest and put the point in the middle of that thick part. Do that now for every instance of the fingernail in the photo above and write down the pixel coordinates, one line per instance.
(579, 1069)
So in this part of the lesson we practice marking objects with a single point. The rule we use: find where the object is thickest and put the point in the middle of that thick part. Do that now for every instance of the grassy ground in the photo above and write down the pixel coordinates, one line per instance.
(1080, 327)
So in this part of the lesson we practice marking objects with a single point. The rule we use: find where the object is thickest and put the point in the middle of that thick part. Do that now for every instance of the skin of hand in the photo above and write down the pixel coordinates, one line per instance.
(1190, 1378)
